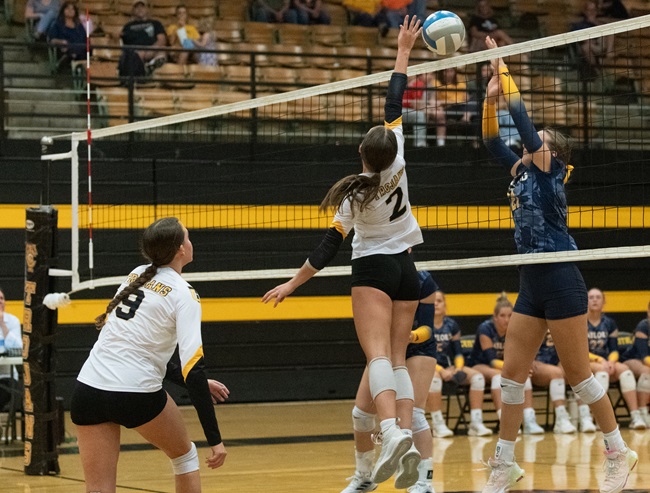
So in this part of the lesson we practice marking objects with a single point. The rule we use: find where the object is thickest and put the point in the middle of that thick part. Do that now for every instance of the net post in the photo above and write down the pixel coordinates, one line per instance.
(46, 145)
(39, 356)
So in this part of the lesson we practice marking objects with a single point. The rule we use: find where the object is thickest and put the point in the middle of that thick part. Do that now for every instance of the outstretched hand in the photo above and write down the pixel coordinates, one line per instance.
(491, 44)
(279, 293)
(408, 33)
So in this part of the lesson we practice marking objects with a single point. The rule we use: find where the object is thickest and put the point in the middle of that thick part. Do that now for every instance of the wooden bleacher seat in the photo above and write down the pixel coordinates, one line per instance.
(327, 35)
(155, 102)
(362, 36)
(338, 14)
(106, 53)
(228, 31)
(262, 54)
(123, 6)
(344, 108)
(322, 57)
(172, 76)
(227, 54)
(239, 77)
(293, 57)
(104, 73)
(294, 34)
(346, 74)
(279, 79)
(353, 57)
(97, 7)
(113, 105)
(196, 99)
(260, 33)
(235, 10)
(383, 58)
(313, 76)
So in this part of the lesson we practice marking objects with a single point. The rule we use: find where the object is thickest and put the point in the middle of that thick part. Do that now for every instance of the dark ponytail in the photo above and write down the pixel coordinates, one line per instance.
(360, 189)
(160, 242)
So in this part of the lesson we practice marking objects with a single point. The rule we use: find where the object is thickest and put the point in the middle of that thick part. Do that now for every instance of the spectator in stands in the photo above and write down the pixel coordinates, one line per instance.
(141, 31)
(487, 358)
(418, 8)
(311, 12)
(451, 368)
(448, 101)
(637, 358)
(366, 13)
(591, 52)
(43, 13)
(207, 41)
(547, 373)
(10, 340)
(604, 356)
(482, 24)
(394, 12)
(274, 11)
(613, 9)
(68, 34)
(415, 107)
(182, 35)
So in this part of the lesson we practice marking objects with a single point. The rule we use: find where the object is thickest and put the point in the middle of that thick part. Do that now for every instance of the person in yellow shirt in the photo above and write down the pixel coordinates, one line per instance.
(182, 35)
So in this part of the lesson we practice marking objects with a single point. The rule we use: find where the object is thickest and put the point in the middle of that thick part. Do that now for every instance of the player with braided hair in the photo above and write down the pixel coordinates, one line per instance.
(120, 383)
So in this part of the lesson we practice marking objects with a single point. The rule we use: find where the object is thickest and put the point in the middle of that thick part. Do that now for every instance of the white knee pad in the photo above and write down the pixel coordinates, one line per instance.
(403, 384)
(436, 385)
(477, 382)
(528, 384)
(557, 389)
(512, 392)
(589, 390)
(380, 376)
(186, 463)
(602, 377)
(420, 422)
(643, 385)
(627, 381)
(496, 382)
(362, 421)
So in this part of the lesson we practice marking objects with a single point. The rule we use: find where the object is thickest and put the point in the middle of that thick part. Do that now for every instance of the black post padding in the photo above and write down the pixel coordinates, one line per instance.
(39, 327)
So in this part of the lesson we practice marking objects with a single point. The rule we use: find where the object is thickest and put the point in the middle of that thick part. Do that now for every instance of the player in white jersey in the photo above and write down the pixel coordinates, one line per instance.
(120, 383)
(385, 284)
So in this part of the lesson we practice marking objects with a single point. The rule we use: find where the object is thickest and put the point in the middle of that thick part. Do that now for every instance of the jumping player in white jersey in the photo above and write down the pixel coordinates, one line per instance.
(120, 383)
(385, 285)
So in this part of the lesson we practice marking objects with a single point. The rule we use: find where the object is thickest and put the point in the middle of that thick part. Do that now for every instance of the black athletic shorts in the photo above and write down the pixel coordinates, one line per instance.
(91, 406)
(427, 348)
(551, 291)
(395, 275)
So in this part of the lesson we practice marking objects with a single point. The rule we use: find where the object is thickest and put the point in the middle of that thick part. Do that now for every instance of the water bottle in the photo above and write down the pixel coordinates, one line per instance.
(573, 408)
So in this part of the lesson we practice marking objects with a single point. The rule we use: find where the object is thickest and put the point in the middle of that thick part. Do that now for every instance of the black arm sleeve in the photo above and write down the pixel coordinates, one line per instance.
(612, 344)
(174, 373)
(396, 88)
(458, 350)
(490, 355)
(327, 249)
(197, 386)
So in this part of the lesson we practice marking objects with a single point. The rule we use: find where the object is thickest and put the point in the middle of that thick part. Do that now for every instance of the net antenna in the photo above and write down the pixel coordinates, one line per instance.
(325, 95)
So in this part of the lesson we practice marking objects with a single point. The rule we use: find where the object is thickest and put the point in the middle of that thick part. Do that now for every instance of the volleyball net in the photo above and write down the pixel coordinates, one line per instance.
(246, 175)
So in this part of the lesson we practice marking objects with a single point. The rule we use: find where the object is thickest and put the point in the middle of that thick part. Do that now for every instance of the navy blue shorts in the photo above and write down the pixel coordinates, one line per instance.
(91, 406)
(427, 348)
(551, 291)
(395, 275)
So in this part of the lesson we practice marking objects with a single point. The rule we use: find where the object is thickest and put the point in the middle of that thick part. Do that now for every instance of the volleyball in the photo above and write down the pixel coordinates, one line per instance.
(443, 32)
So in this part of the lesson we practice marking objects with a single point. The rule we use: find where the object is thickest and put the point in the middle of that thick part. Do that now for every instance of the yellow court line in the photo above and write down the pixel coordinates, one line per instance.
(12, 216)
(328, 307)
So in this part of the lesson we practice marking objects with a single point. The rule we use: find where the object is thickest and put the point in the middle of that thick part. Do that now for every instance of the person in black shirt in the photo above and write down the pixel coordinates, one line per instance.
(141, 31)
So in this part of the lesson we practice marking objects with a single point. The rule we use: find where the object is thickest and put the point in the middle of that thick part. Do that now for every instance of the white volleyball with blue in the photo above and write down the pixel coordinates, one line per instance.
(443, 32)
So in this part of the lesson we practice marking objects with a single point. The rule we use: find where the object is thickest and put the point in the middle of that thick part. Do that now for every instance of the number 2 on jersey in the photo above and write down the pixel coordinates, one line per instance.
(398, 210)
(131, 304)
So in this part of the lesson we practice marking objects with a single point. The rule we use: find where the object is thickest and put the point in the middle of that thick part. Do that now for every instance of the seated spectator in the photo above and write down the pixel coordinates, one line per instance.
(414, 104)
(367, 13)
(274, 11)
(482, 24)
(141, 31)
(207, 41)
(613, 9)
(418, 8)
(68, 34)
(637, 359)
(182, 35)
(10, 339)
(591, 52)
(311, 12)
(448, 102)
(394, 12)
(43, 13)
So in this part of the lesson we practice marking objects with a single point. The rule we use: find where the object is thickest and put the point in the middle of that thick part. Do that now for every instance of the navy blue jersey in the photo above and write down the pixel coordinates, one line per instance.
(601, 340)
(443, 336)
(425, 311)
(547, 352)
(539, 209)
(479, 356)
(642, 327)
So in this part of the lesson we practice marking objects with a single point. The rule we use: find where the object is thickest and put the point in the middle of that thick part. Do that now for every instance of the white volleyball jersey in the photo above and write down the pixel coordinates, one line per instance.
(386, 225)
(141, 333)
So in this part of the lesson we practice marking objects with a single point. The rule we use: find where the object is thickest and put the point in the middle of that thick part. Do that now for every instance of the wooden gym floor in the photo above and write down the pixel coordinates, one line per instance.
(307, 447)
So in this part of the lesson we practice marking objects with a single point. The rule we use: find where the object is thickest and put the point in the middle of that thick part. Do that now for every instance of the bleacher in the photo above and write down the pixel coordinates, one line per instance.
(258, 58)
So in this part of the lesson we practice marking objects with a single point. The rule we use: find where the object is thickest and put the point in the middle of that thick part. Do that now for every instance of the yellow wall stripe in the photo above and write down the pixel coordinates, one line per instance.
(327, 307)
(12, 216)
